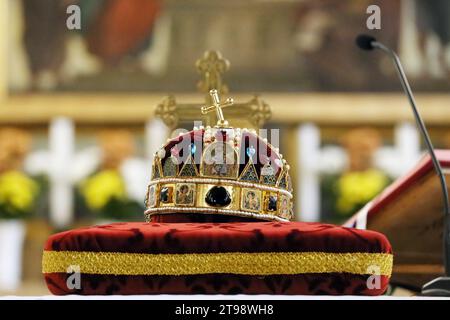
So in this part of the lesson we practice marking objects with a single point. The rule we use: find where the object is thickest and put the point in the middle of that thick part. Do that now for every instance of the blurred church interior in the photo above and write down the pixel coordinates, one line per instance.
(82, 111)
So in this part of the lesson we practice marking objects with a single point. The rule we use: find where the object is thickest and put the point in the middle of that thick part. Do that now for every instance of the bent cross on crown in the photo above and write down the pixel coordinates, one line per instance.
(217, 106)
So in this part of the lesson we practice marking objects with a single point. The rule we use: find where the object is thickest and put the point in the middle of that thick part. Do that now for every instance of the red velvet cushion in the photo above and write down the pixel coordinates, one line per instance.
(258, 257)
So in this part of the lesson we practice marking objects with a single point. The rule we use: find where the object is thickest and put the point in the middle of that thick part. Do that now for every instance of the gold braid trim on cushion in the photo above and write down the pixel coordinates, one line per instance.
(261, 263)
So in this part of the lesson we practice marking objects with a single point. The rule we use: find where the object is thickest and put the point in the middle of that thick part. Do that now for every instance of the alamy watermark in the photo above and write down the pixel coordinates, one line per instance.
(374, 280)
(73, 281)
(373, 22)
(73, 21)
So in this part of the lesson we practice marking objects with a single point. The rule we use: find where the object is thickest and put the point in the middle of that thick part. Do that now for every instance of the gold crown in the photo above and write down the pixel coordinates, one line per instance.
(220, 170)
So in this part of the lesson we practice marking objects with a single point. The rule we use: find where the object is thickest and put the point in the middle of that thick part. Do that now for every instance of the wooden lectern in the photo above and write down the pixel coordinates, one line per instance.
(409, 212)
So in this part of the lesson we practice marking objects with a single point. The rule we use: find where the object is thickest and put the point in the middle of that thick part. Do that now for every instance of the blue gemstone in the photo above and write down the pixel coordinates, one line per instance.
(193, 148)
(250, 151)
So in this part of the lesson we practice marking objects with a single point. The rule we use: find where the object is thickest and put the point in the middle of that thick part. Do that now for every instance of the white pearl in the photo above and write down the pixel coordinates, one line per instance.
(161, 153)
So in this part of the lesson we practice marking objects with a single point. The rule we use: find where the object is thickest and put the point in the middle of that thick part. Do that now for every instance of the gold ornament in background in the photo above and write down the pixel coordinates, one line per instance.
(117, 145)
(251, 114)
(15, 143)
(211, 67)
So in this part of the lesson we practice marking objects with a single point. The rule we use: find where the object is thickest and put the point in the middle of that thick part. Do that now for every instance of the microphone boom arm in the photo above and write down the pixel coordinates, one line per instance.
(429, 145)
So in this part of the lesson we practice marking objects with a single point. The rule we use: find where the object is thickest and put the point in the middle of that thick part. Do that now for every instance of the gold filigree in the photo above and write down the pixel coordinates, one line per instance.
(156, 168)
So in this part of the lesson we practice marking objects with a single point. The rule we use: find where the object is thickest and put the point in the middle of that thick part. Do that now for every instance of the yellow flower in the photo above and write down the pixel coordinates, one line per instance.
(99, 189)
(17, 191)
(355, 188)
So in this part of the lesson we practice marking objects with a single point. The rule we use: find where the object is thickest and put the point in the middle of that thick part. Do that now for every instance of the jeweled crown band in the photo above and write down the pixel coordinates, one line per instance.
(217, 196)
(222, 182)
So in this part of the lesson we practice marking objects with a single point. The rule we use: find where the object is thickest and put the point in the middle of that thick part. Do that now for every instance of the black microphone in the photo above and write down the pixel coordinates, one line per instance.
(439, 286)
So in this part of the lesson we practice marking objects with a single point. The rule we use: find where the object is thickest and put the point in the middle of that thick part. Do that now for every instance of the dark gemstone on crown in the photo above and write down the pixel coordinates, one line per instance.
(164, 195)
(218, 197)
(272, 203)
